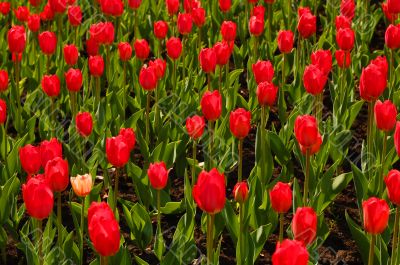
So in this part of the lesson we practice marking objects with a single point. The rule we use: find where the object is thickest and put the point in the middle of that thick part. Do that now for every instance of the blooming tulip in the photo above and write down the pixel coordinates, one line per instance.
(38, 198)
(124, 51)
(208, 60)
(56, 173)
(345, 39)
(148, 78)
(22, 13)
(211, 105)
(71, 54)
(285, 41)
(160, 29)
(281, 197)
(256, 26)
(50, 150)
(159, 65)
(222, 52)
(185, 23)
(172, 6)
(84, 123)
(112, 7)
(314, 80)
(117, 150)
(51, 85)
(129, 135)
(142, 49)
(96, 65)
(342, 22)
(174, 48)
(239, 123)
(158, 175)
(199, 16)
(290, 252)
(225, 5)
(16, 39)
(347, 8)
(322, 59)
(5, 8)
(58, 6)
(263, 71)
(82, 184)
(373, 82)
(29, 156)
(304, 225)
(307, 25)
(266, 94)
(195, 126)
(340, 57)
(73, 78)
(306, 130)
(228, 30)
(48, 42)
(75, 15)
(376, 215)
(134, 4)
(385, 115)
(393, 6)
(392, 37)
(34, 23)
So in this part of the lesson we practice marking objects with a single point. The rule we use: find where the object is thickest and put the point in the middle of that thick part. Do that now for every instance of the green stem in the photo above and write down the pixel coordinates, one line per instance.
(183, 61)
(17, 76)
(391, 74)
(262, 128)
(211, 143)
(118, 171)
(210, 238)
(158, 211)
(240, 160)
(372, 250)
(103, 260)
(76, 36)
(280, 227)
(97, 94)
(156, 109)
(307, 176)
(73, 103)
(370, 132)
(393, 261)
(174, 76)
(227, 77)
(82, 228)
(108, 58)
(220, 78)
(269, 10)
(53, 117)
(148, 117)
(383, 156)
(199, 40)
(48, 57)
(136, 28)
(125, 94)
(194, 148)
(209, 82)
(59, 225)
(40, 245)
(5, 150)
(240, 237)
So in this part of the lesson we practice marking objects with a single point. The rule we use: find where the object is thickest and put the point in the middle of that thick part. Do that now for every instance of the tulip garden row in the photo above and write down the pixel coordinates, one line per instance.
(165, 131)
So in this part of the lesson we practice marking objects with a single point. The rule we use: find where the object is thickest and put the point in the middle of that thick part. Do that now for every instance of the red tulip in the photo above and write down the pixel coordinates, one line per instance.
(56, 172)
(50, 150)
(75, 15)
(323, 60)
(228, 31)
(172, 6)
(103, 33)
(38, 198)
(285, 41)
(3, 80)
(304, 225)
(385, 115)
(159, 65)
(112, 7)
(266, 94)
(208, 60)
(347, 8)
(84, 123)
(16, 39)
(281, 197)
(160, 29)
(376, 215)
(96, 65)
(92, 47)
(345, 39)
(263, 71)
(342, 22)
(3, 111)
(373, 82)
(256, 26)
(209, 191)
(22, 13)
(117, 150)
(314, 80)
(51, 85)
(307, 25)
(189, 5)
(397, 138)
(129, 136)
(239, 123)
(290, 252)
(392, 17)
(71, 54)
(258, 11)
(142, 49)
(340, 55)
(241, 192)
(134, 4)
(195, 126)
(73, 78)
(48, 42)
(392, 37)
(174, 48)
(148, 78)
(185, 23)
(225, 5)
(158, 175)
(5, 8)
(393, 6)
(306, 130)
(34, 23)
(199, 16)
(382, 64)
(103, 229)
(58, 6)
(211, 105)
(29, 156)
(16, 57)
(47, 14)
(222, 52)
(392, 181)
(124, 51)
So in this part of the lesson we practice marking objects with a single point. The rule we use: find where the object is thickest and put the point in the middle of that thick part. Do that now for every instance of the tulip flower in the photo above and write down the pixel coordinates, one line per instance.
(266, 94)
(134, 4)
(290, 252)
(314, 80)
(34, 23)
(71, 54)
(22, 13)
(48, 42)
(195, 128)
(345, 39)
(393, 6)
(223, 53)
(50, 150)
(323, 60)
(125, 54)
(389, 16)
(392, 181)
(281, 201)
(75, 16)
(185, 23)
(96, 69)
(84, 123)
(392, 41)
(263, 71)
(160, 29)
(208, 62)
(307, 25)
(172, 6)
(29, 156)
(47, 14)
(129, 135)
(304, 225)
(342, 22)
(285, 41)
(199, 18)
(240, 194)
(3, 80)
(224, 5)
(142, 49)
(343, 59)
(113, 8)
(5, 8)
(228, 31)
(375, 216)
(174, 48)
(347, 8)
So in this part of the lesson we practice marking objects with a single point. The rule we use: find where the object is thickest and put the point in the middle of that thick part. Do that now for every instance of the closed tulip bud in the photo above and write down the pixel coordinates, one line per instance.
(239, 123)
(34, 23)
(142, 49)
(392, 37)
(390, 16)
(290, 252)
(84, 123)
(3, 80)
(73, 78)
(306, 130)
(209, 191)
(314, 80)
(124, 51)
(199, 16)
(51, 85)
(134, 4)
(258, 11)
(393, 6)
(82, 184)
(266, 94)
(263, 71)
(5, 8)
(48, 42)
(160, 29)
(174, 48)
(112, 7)
(347, 8)
(256, 25)
(225, 5)
(50, 150)
(392, 181)
(22, 13)
(117, 150)
(342, 22)
(159, 65)
(103, 229)
(340, 57)
(195, 126)
(158, 175)
(16, 39)
(228, 31)
(129, 135)
(56, 172)
(323, 60)
(148, 78)
(71, 54)
(385, 115)
(58, 6)
(172, 6)
(345, 39)
(47, 14)
(285, 41)
(208, 60)
(397, 138)
(185, 23)
(307, 25)
(373, 82)
(241, 192)
(38, 198)
(223, 52)
(96, 65)
(92, 47)
(75, 15)
(3, 111)
(304, 225)
(29, 156)
(211, 105)
(376, 215)
(281, 197)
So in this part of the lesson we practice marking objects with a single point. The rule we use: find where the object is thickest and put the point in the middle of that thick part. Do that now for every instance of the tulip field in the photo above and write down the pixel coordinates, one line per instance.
(199, 132)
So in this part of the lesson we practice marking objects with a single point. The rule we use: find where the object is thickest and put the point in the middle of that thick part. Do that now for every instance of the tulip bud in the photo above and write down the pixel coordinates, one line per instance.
(142, 49)
(48, 42)
(75, 15)
(3, 80)
(307, 25)
(158, 175)
(392, 17)
(345, 39)
(340, 57)
(172, 6)
(129, 135)
(323, 60)
(314, 80)
(239, 123)
(241, 192)
(51, 85)
(174, 48)
(56, 172)
(96, 65)
(281, 197)
(73, 78)
(376, 215)
(199, 16)
(5, 8)
(34, 23)
(38, 198)
(160, 29)
(71, 54)
(47, 14)
(285, 41)
(373, 82)
(306, 130)
(392, 181)
(208, 60)
(117, 150)
(304, 225)
(195, 126)
(392, 37)
(290, 252)
(256, 26)
(82, 184)
(148, 78)
(225, 5)
(124, 51)
(22, 13)
(112, 7)
(29, 156)
(222, 52)
(185, 23)
(385, 115)
(50, 150)
(228, 31)
(16, 39)
(263, 71)
(84, 123)
(211, 105)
